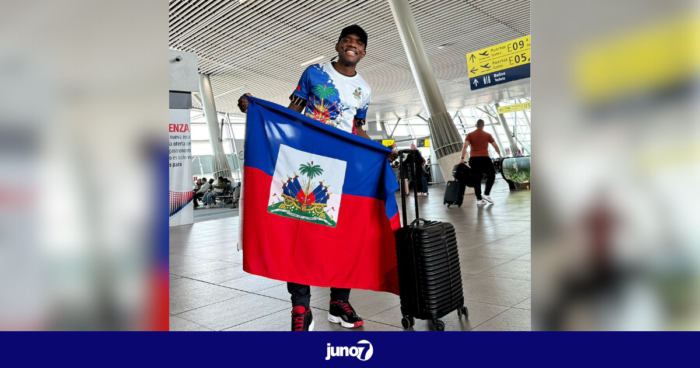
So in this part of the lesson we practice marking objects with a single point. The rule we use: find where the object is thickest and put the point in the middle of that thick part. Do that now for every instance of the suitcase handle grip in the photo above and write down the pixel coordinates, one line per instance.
(417, 221)
(403, 190)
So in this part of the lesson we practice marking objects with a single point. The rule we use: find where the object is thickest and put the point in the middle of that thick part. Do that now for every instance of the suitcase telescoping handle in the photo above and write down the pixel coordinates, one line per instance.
(403, 189)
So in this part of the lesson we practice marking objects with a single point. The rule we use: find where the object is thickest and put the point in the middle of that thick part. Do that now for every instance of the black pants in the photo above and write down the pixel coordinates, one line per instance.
(197, 195)
(301, 294)
(481, 166)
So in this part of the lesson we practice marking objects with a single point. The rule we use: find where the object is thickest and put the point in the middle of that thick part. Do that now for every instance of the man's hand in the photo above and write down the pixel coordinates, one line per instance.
(243, 103)
(393, 156)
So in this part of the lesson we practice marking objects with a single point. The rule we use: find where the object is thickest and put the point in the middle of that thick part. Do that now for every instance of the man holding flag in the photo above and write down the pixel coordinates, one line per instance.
(360, 244)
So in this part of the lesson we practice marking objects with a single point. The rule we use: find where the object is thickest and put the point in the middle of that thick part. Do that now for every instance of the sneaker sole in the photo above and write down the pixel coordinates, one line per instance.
(311, 326)
(334, 319)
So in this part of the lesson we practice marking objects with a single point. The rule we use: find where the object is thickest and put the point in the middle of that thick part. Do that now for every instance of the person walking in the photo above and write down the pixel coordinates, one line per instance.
(480, 162)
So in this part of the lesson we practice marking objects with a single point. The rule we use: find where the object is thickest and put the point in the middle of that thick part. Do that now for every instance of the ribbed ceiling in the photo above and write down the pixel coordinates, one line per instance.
(257, 46)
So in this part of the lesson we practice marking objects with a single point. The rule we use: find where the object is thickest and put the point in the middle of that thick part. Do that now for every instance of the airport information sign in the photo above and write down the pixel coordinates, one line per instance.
(499, 64)
(514, 108)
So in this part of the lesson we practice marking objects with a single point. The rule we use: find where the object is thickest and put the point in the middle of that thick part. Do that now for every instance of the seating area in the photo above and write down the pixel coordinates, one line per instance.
(222, 194)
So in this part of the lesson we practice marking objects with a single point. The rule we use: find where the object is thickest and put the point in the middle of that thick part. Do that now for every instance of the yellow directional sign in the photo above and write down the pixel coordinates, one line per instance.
(499, 57)
(387, 142)
(514, 108)
(423, 143)
(648, 60)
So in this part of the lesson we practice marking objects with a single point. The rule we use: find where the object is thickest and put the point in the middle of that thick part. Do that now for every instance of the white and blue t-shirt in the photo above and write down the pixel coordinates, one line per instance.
(332, 98)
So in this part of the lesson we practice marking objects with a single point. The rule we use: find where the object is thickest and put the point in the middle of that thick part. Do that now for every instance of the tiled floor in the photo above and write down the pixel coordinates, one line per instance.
(215, 213)
(210, 291)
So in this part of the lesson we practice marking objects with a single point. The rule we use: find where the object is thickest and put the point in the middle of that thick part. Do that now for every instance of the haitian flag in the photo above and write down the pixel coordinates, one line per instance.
(317, 203)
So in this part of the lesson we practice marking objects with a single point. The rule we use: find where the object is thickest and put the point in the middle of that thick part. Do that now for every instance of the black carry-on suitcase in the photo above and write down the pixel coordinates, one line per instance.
(430, 280)
(454, 194)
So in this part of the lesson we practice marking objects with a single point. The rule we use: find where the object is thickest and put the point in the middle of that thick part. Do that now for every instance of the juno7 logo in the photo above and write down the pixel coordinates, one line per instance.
(353, 351)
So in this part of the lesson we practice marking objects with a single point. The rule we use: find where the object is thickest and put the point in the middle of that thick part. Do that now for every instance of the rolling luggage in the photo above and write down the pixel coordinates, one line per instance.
(430, 281)
(454, 194)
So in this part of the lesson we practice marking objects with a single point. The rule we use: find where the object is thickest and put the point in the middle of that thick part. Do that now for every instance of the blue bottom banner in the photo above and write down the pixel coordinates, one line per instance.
(203, 349)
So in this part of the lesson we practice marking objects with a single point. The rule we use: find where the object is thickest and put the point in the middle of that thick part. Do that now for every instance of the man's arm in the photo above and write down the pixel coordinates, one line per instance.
(359, 123)
(464, 151)
(295, 107)
(498, 150)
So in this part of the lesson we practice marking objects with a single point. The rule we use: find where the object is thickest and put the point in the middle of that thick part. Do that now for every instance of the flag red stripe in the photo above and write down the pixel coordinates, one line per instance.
(359, 253)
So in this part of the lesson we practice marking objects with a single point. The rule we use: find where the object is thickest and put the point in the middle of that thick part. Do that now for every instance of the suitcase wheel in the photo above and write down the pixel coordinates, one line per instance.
(463, 311)
(439, 325)
(448, 206)
(407, 322)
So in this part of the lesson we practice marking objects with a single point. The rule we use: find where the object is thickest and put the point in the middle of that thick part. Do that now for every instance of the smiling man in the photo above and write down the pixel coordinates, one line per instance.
(334, 94)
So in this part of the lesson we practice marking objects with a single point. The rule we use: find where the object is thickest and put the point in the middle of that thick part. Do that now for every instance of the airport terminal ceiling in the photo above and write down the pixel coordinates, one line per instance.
(258, 46)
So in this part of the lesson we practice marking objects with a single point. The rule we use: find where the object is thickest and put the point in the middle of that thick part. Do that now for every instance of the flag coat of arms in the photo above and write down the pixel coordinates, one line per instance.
(317, 203)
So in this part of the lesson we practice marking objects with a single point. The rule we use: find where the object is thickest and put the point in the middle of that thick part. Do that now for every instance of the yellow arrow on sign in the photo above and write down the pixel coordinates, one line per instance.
(499, 57)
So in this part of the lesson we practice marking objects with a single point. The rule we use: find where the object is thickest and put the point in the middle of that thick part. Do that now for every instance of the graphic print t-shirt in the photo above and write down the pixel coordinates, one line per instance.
(331, 97)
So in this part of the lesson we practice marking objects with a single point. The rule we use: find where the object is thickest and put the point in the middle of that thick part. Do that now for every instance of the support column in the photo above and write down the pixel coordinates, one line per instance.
(511, 140)
(495, 132)
(497, 136)
(527, 120)
(219, 161)
(444, 134)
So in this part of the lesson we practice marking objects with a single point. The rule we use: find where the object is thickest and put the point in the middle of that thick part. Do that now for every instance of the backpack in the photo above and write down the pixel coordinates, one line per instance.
(464, 175)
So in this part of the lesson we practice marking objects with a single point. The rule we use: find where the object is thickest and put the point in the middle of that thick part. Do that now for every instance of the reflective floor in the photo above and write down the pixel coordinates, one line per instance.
(210, 291)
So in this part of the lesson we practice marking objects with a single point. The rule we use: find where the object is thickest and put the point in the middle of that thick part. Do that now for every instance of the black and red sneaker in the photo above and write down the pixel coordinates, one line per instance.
(341, 312)
(302, 319)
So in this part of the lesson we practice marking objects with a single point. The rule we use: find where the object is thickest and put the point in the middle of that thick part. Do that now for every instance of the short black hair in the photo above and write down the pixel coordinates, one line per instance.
(480, 121)
(357, 31)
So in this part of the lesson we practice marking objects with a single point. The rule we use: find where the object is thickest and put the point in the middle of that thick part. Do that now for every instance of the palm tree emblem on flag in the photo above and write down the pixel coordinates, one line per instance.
(301, 200)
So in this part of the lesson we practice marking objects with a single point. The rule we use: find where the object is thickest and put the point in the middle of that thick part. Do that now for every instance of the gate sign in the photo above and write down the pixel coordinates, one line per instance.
(514, 108)
(499, 64)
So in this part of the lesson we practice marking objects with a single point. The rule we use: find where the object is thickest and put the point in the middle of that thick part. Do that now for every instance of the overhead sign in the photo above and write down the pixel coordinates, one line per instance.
(514, 108)
(387, 142)
(423, 143)
(499, 64)
(653, 60)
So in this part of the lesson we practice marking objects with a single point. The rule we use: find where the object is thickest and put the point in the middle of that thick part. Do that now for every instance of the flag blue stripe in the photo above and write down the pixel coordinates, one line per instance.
(269, 125)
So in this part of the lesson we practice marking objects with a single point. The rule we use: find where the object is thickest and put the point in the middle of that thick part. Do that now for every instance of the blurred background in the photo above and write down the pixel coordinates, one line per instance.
(616, 235)
(83, 153)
